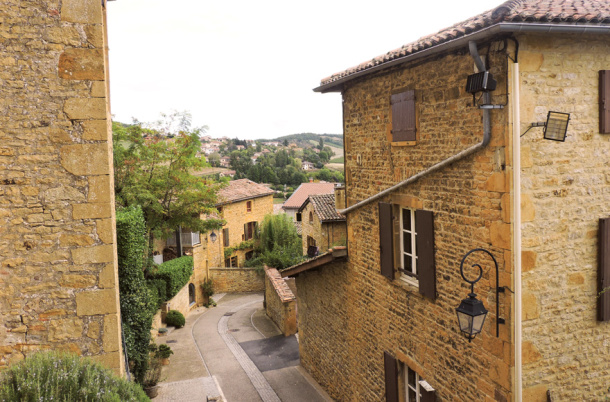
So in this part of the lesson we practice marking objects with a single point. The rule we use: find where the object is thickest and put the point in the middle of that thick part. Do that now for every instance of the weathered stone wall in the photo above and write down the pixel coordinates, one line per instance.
(565, 191)
(58, 275)
(281, 303)
(374, 314)
(237, 280)
(236, 215)
(326, 235)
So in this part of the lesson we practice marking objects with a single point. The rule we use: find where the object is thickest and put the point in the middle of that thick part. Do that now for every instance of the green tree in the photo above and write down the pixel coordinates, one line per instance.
(321, 144)
(155, 173)
(278, 244)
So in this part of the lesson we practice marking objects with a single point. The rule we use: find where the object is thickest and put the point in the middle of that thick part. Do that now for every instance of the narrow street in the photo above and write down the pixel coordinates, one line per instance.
(234, 351)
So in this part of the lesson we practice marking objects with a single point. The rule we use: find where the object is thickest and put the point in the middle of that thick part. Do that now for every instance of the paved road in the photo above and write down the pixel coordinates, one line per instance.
(235, 351)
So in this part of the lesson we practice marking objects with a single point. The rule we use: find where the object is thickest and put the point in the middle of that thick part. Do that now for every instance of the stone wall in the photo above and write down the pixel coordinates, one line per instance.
(565, 191)
(237, 280)
(359, 313)
(280, 302)
(58, 275)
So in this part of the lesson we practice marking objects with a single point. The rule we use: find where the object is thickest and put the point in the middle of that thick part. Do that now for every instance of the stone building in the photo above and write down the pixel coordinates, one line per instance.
(431, 176)
(58, 275)
(296, 200)
(242, 204)
(322, 226)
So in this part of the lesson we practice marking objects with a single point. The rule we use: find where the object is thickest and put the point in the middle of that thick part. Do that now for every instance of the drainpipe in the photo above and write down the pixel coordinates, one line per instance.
(516, 204)
(461, 155)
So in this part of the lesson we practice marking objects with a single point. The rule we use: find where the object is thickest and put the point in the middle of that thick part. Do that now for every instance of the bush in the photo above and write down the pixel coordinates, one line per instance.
(54, 376)
(158, 287)
(176, 273)
(175, 318)
(137, 304)
(164, 352)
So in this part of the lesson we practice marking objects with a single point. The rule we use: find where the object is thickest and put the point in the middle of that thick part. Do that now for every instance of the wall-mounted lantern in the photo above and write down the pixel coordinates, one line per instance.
(555, 128)
(471, 313)
(213, 237)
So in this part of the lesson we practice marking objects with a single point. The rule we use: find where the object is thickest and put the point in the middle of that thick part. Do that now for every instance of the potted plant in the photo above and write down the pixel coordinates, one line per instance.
(164, 353)
(151, 378)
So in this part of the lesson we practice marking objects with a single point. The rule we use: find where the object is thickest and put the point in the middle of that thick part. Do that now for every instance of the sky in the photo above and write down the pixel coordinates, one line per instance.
(246, 68)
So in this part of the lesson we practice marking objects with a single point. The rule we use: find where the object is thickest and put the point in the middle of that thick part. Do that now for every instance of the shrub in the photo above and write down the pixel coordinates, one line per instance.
(137, 304)
(207, 288)
(176, 273)
(175, 318)
(164, 351)
(158, 286)
(54, 376)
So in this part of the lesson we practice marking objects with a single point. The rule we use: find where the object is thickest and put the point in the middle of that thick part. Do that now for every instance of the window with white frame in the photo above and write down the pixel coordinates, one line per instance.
(408, 246)
(412, 386)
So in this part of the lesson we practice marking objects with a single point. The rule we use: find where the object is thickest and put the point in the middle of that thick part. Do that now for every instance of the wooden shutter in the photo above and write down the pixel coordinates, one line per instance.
(604, 101)
(403, 116)
(245, 231)
(426, 269)
(225, 237)
(391, 378)
(603, 301)
(386, 240)
(427, 396)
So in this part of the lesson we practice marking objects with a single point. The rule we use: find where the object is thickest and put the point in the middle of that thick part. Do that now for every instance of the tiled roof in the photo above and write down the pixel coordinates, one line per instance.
(305, 190)
(548, 12)
(243, 189)
(324, 206)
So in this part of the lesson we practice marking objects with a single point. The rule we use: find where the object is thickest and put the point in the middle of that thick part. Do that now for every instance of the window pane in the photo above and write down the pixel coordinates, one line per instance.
(408, 263)
(412, 397)
(406, 219)
(411, 377)
(406, 242)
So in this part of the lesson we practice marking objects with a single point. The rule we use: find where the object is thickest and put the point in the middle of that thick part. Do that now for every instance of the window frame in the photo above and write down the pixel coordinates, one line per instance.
(248, 206)
(409, 276)
(416, 388)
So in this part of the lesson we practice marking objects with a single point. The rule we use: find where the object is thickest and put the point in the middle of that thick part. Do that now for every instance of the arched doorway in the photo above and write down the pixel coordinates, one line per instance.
(191, 294)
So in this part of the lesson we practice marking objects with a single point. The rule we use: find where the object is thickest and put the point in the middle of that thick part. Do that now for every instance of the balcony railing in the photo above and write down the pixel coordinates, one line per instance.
(189, 239)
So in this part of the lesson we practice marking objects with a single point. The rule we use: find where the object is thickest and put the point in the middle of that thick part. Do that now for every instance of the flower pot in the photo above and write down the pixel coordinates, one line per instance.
(165, 361)
(152, 392)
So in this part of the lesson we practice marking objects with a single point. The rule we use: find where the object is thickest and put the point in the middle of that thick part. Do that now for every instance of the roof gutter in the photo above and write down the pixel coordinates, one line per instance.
(503, 27)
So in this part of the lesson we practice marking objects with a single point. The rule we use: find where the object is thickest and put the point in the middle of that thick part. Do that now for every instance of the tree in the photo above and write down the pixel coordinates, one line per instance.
(286, 142)
(321, 144)
(278, 244)
(155, 174)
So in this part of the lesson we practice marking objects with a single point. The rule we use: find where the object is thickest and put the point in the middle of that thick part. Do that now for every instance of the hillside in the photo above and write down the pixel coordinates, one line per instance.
(329, 139)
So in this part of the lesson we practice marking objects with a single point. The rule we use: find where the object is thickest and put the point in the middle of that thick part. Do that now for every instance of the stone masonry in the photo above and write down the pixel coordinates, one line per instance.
(58, 267)
(280, 302)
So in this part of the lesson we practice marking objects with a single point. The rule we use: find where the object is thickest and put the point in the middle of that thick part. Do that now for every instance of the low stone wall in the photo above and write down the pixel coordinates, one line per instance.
(179, 302)
(281, 303)
(227, 280)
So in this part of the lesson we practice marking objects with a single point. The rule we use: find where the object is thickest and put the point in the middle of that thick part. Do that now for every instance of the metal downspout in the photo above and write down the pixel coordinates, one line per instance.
(461, 155)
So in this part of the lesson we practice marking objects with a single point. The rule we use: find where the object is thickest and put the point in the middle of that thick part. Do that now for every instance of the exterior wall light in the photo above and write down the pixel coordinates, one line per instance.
(555, 128)
(471, 313)
(213, 237)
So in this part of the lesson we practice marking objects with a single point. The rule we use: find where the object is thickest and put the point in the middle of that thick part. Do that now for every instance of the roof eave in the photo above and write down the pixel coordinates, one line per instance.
(250, 197)
(503, 27)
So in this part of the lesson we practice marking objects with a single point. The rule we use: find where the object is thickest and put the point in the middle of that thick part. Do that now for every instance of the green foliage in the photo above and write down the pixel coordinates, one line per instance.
(155, 173)
(164, 351)
(50, 376)
(175, 273)
(244, 245)
(175, 318)
(207, 288)
(279, 245)
(158, 287)
(137, 303)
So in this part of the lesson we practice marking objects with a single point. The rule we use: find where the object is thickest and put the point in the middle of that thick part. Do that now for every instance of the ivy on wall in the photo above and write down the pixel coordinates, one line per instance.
(176, 274)
(244, 245)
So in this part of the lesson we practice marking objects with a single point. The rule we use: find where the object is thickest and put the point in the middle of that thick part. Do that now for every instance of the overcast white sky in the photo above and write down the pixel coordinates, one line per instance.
(247, 68)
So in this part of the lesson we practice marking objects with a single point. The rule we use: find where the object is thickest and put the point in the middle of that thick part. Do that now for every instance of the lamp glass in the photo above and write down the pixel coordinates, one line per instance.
(556, 126)
(471, 316)
(213, 237)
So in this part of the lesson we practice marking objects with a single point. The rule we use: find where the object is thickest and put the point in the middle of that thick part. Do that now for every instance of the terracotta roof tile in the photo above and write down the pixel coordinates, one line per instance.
(305, 190)
(243, 189)
(532, 11)
(324, 206)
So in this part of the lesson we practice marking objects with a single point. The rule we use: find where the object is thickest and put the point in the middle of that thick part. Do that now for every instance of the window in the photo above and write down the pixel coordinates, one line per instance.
(407, 246)
(249, 230)
(231, 262)
(225, 237)
(403, 117)
(414, 387)
(249, 255)
(298, 217)
(310, 217)
(249, 206)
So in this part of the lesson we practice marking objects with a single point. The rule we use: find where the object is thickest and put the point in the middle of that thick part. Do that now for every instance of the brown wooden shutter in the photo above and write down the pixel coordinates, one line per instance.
(604, 101)
(245, 231)
(225, 237)
(603, 301)
(426, 269)
(386, 240)
(403, 116)
(427, 396)
(391, 378)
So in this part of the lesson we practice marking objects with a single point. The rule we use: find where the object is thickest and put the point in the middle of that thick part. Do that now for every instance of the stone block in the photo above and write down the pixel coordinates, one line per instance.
(531, 309)
(86, 159)
(91, 211)
(107, 278)
(66, 240)
(98, 89)
(505, 206)
(63, 193)
(110, 360)
(95, 35)
(64, 329)
(529, 353)
(99, 189)
(111, 339)
(94, 330)
(528, 260)
(536, 393)
(500, 235)
(497, 182)
(85, 108)
(576, 279)
(528, 211)
(94, 302)
(96, 130)
(530, 61)
(77, 281)
(93, 255)
(105, 230)
(81, 64)
(81, 11)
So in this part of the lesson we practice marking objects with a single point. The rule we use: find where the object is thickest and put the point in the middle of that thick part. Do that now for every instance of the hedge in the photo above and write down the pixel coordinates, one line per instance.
(176, 273)
(137, 305)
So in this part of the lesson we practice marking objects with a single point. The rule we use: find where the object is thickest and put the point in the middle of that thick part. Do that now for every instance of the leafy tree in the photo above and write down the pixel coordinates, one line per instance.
(321, 144)
(286, 142)
(214, 159)
(155, 174)
(278, 244)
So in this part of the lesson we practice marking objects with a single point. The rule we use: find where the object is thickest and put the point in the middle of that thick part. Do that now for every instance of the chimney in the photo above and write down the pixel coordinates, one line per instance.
(340, 197)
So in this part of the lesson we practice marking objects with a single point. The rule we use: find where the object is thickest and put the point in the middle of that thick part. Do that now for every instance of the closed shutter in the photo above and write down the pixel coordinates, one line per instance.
(603, 301)
(246, 231)
(225, 237)
(391, 378)
(426, 269)
(604, 101)
(427, 396)
(386, 240)
(403, 116)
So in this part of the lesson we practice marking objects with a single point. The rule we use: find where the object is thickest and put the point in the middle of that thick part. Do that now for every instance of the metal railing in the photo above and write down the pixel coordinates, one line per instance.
(189, 239)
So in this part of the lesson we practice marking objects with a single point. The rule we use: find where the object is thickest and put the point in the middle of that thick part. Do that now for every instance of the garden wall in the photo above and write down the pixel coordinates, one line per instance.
(236, 280)
(281, 303)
